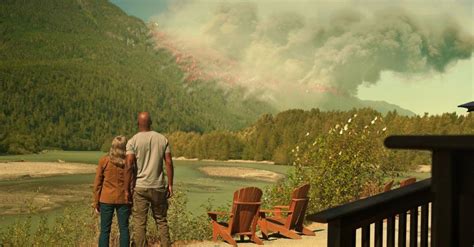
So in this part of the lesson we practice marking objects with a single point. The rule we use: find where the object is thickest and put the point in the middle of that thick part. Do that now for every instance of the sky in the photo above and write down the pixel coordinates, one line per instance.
(143, 9)
(434, 92)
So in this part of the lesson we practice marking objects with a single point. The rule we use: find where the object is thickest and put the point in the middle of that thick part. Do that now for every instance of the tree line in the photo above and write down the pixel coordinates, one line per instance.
(273, 137)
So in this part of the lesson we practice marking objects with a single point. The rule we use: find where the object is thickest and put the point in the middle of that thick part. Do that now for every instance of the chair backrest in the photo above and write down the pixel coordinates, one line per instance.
(407, 181)
(388, 186)
(245, 209)
(298, 206)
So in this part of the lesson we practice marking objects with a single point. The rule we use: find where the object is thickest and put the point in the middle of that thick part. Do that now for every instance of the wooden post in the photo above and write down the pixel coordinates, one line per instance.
(339, 235)
(452, 185)
(464, 163)
(444, 227)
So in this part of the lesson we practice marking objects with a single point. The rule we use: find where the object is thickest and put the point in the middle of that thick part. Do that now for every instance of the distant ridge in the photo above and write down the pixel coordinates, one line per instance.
(384, 107)
(346, 103)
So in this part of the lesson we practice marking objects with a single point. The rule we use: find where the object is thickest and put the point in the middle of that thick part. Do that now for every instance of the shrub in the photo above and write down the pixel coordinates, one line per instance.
(183, 224)
(339, 165)
(16, 143)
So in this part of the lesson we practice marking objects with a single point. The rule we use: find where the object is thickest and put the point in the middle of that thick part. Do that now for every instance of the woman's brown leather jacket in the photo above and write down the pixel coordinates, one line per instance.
(112, 184)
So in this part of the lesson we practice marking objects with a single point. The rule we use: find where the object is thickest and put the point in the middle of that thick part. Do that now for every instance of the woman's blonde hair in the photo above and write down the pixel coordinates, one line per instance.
(117, 151)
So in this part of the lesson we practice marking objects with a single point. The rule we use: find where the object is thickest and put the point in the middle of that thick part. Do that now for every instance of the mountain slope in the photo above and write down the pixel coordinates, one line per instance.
(75, 73)
(345, 103)
(385, 107)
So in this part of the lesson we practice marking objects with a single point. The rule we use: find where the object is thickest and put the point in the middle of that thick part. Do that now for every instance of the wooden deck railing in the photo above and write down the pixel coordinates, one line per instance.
(450, 189)
(386, 209)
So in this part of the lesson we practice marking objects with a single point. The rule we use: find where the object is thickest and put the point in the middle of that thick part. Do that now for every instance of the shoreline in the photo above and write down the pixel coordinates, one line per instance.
(27, 169)
(179, 158)
(266, 162)
(15, 169)
(241, 172)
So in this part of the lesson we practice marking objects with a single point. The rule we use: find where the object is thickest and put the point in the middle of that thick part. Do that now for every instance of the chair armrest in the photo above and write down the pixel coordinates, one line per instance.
(274, 211)
(300, 199)
(213, 215)
(247, 203)
(218, 213)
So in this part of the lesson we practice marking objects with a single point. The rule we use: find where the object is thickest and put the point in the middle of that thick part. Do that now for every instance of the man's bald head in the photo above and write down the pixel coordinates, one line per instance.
(144, 121)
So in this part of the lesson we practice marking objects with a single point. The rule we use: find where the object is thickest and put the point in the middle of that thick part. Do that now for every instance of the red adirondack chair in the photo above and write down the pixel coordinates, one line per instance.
(292, 224)
(388, 186)
(242, 218)
(407, 181)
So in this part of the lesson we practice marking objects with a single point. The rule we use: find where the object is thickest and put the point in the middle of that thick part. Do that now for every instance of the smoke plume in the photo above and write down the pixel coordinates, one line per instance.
(301, 55)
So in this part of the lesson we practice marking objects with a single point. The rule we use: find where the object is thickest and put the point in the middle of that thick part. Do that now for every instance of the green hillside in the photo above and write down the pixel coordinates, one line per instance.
(74, 73)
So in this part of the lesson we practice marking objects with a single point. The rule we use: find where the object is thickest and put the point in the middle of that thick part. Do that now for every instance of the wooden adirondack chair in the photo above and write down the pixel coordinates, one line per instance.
(388, 186)
(407, 181)
(293, 222)
(242, 219)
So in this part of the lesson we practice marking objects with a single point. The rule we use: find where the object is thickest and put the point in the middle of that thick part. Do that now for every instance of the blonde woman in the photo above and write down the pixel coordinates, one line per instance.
(112, 192)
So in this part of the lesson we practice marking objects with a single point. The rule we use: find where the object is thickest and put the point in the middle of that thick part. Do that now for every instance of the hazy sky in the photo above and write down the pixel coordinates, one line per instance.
(429, 92)
(143, 9)
(437, 93)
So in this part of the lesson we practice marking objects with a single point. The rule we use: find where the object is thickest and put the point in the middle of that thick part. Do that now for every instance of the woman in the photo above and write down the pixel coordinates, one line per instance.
(112, 192)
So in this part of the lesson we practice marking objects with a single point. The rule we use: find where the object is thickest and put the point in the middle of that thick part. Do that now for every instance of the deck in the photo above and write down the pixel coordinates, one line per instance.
(443, 205)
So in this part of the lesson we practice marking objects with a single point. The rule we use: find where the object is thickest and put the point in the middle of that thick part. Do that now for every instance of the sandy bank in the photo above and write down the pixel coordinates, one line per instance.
(267, 162)
(241, 172)
(424, 168)
(11, 170)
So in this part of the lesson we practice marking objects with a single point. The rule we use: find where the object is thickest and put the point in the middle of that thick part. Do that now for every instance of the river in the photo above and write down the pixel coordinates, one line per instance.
(198, 186)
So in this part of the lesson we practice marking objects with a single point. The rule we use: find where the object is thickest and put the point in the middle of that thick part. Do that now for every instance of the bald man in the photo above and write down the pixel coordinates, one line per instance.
(146, 151)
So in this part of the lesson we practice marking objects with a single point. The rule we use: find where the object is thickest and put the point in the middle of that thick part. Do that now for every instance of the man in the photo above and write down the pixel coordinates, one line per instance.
(146, 151)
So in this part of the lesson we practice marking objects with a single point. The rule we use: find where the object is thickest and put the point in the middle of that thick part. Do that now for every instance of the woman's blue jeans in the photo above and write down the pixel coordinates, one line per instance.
(106, 215)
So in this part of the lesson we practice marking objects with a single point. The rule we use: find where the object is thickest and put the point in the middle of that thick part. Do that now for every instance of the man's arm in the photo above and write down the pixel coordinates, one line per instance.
(131, 162)
(169, 172)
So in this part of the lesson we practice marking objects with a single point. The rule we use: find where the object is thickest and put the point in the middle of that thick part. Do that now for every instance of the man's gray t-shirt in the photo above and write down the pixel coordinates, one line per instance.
(149, 148)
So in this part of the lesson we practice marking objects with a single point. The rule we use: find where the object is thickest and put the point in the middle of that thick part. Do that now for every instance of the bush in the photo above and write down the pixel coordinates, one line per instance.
(16, 143)
(183, 224)
(339, 165)
(281, 156)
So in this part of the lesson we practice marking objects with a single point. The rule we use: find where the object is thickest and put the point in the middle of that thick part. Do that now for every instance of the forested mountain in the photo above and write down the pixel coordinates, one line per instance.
(74, 73)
